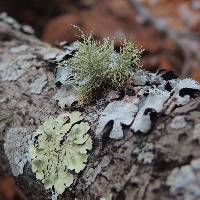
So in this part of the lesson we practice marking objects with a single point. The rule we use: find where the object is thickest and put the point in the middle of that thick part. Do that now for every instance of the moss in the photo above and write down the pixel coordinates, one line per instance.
(98, 67)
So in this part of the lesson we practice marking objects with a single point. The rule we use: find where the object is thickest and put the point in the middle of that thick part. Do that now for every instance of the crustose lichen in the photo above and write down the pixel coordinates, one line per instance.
(60, 145)
(98, 67)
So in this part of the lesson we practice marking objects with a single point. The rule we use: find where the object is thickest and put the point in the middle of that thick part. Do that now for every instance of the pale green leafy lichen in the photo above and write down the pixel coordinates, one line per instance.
(60, 145)
(97, 67)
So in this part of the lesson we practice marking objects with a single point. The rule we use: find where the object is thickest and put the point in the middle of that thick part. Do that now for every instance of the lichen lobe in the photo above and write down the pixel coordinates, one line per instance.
(60, 144)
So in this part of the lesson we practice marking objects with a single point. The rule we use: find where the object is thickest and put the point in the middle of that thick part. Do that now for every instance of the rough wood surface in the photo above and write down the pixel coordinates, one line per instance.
(136, 167)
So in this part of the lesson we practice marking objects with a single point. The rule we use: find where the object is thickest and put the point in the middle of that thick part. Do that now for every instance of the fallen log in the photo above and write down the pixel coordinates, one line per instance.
(154, 155)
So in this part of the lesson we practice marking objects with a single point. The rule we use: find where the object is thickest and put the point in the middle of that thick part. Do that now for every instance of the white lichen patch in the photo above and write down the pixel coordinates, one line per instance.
(16, 149)
(15, 25)
(185, 181)
(72, 47)
(145, 154)
(9, 20)
(178, 99)
(178, 122)
(37, 86)
(196, 132)
(153, 103)
(63, 75)
(174, 101)
(92, 173)
(108, 197)
(61, 144)
(121, 113)
(13, 67)
(142, 78)
(50, 54)
(187, 83)
(149, 103)
(65, 96)
(19, 49)
(3, 99)
(146, 158)
(27, 29)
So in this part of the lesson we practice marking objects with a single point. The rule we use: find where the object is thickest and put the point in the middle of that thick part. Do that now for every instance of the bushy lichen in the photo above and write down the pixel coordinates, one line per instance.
(98, 67)
(60, 145)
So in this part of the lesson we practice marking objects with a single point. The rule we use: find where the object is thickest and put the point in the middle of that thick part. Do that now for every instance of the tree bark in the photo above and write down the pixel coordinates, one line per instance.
(133, 168)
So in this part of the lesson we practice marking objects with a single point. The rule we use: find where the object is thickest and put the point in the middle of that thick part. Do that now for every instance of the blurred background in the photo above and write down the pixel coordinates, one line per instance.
(169, 30)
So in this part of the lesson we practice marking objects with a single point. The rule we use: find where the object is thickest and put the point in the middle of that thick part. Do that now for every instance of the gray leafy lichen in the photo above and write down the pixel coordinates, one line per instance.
(16, 149)
(65, 96)
(49, 54)
(91, 174)
(63, 75)
(37, 86)
(9, 20)
(179, 96)
(196, 135)
(147, 105)
(13, 67)
(145, 153)
(185, 181)
(60, 145)
(15, 25)
(121, 113)
(154, 102)
(178, 122)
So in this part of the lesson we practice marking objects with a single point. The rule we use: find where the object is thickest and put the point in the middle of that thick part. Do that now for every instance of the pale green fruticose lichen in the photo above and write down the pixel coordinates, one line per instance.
(60, 145)
(97, 67)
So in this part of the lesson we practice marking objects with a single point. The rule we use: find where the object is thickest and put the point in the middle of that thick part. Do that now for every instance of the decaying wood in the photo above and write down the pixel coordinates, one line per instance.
(135, 167)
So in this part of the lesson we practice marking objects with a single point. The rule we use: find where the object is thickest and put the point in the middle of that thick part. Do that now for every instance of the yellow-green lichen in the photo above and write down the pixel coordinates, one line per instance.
(61, 144)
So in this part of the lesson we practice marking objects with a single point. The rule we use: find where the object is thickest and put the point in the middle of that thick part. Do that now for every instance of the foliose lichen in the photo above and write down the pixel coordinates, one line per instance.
(16, 148)
(145, 153)
(65, 96)
(120, 113)
(184, 181)
(178, 122)
(60, 145)
(142, 110)
(37, 86)
(13, 67)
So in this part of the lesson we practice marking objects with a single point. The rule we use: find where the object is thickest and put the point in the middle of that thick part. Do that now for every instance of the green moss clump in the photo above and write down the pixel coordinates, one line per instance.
(98, 67)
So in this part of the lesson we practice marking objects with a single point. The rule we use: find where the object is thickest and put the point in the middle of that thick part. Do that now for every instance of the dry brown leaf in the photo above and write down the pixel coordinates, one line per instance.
(7, 188)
